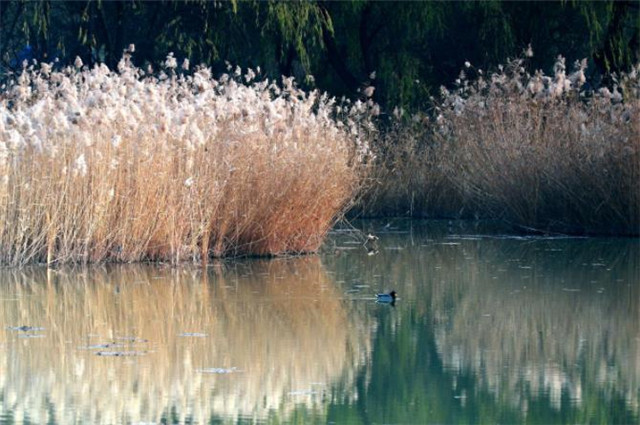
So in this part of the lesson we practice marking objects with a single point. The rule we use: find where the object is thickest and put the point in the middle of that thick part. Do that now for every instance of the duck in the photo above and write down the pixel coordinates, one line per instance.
(387, 298)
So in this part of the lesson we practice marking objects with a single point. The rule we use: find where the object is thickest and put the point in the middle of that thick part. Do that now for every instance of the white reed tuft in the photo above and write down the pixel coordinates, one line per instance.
(101, 165)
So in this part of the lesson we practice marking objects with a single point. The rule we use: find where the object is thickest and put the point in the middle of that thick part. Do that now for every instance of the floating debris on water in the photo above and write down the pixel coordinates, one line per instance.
(193, 334)
(117, 342)
(303, 392)
(219, 370)
(344, 230)
(515, 237)
(130, 339)
(99, 346)
(25, 328)
(466, 237)
(120, 353)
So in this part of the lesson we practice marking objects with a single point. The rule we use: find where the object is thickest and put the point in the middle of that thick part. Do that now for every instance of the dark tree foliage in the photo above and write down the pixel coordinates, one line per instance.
(413, 47)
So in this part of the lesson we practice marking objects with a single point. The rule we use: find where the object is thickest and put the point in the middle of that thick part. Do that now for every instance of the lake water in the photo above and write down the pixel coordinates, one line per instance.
(488, 328)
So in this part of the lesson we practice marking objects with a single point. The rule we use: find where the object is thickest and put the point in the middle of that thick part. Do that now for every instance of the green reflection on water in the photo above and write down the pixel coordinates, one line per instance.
(498, 329)
(492, 329)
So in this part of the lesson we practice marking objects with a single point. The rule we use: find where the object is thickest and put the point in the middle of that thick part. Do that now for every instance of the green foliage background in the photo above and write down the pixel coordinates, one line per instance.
(414, 47)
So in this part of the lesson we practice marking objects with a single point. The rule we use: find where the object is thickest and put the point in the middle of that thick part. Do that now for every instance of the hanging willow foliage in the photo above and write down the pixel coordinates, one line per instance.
(413, 47)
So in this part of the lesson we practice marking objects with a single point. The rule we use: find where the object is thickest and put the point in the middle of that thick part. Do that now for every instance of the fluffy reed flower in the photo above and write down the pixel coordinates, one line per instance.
(170, 62)
(202, 166)
(80, 166)
(528, 52)
(542, 151)
(368, 91)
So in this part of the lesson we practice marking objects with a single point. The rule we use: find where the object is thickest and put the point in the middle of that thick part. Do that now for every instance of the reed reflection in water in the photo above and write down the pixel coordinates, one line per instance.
(489, 328)
(139, 343)
(499, 328)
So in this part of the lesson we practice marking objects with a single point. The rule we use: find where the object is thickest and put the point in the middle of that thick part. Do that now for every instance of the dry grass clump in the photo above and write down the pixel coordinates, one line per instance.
(543, 152)
(539, 151)
(98, 165)
(409, 177)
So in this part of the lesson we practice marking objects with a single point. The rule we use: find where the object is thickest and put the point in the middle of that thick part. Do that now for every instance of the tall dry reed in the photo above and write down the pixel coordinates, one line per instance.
(409, 177)
(98, 165)
(541, 151)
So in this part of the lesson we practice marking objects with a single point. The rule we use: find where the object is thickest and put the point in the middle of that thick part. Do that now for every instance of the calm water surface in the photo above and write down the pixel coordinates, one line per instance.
(489, 328)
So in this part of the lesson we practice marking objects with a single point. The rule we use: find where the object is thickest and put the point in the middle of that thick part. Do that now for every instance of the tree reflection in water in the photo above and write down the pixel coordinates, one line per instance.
(498, 328)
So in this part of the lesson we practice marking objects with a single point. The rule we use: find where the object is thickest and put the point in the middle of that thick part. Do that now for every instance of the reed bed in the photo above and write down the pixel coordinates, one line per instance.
(546, 152)
(127, 165)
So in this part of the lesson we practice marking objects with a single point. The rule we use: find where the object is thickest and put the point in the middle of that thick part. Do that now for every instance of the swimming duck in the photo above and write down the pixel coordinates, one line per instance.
(387, 298)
